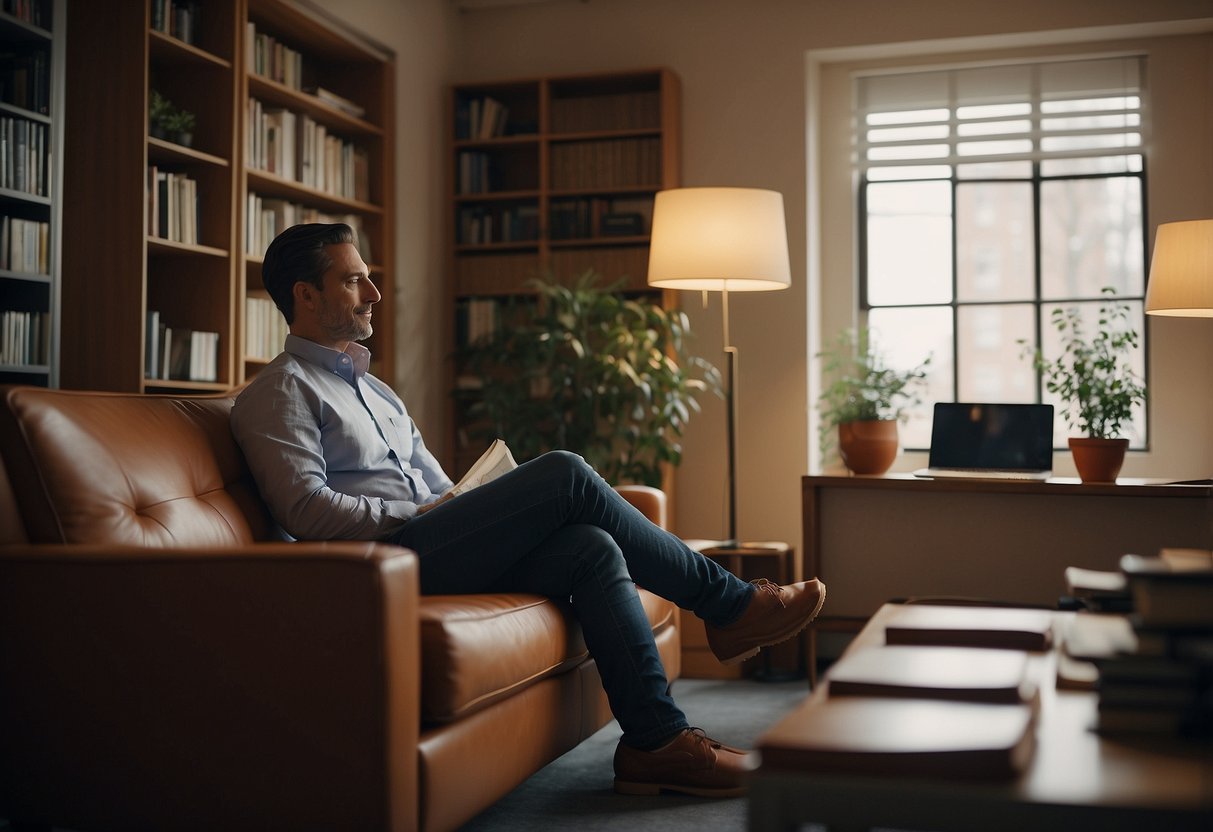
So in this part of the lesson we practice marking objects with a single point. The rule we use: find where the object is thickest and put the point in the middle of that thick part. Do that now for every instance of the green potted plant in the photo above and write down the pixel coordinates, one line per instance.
(583, 368)
(181, 126)
(160, 110)
(168, 121)
(1095, 381)
(863, 401)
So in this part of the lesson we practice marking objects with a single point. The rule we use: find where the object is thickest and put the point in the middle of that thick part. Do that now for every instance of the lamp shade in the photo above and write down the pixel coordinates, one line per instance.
(719, 239)
(1181, 270)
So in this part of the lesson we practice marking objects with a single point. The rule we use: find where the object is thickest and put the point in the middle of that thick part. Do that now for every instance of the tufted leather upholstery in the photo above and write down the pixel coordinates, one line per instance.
(164, 663)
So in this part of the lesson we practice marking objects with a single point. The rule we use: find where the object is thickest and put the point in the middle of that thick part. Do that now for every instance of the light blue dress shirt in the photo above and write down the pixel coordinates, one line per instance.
(332, 448)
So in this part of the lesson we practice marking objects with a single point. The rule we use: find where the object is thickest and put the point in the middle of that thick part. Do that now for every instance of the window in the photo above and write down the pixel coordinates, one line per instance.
(988, 196)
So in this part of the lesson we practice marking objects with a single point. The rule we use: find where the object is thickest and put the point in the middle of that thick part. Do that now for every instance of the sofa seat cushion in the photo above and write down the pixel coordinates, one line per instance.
(477, 649)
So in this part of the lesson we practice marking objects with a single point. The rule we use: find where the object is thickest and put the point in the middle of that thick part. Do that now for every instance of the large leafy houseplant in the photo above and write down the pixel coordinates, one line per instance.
(1093, 376)
(586, 369)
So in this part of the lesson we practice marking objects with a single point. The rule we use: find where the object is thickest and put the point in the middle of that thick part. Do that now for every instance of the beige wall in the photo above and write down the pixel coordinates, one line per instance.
(420, 33)
(747, 110)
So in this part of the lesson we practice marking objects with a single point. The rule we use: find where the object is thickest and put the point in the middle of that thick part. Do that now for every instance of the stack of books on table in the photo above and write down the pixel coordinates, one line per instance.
(951, 693)
(1154, 664)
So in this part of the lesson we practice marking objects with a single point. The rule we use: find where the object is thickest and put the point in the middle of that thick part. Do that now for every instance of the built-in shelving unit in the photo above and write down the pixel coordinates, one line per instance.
(549, 176)
(31, 141)
(293, 123)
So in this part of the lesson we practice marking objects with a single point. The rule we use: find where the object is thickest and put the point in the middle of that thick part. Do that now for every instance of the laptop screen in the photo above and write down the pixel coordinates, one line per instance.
(993, 436)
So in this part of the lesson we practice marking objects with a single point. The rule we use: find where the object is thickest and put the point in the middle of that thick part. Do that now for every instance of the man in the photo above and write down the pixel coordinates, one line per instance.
(336, 456)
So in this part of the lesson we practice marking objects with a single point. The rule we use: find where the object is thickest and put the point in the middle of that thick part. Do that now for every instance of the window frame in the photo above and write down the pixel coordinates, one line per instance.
(1041, 307)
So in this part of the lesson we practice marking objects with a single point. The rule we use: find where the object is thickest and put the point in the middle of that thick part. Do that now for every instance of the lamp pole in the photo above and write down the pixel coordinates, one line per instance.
(731, 357)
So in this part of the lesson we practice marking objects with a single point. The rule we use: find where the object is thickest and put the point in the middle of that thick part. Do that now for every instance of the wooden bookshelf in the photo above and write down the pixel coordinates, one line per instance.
(127, 259)
(549, 176)
(31, 122)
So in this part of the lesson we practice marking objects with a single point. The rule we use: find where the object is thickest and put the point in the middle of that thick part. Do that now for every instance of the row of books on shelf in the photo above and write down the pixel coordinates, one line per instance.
(24, 337)
(25, 80)
(271, 58)
(24, 152)
(179, 353)
(1144, 641)
(266, 218)
(475, 320)
(37, 12)
(612, 163)
(592, 217)
(265, 329)
(480, 225)
(494, 273)
(178, 18)
(297, 147)
(24, 245)
(480, 118)
(172, 206)
(618, 111)
(475, 173)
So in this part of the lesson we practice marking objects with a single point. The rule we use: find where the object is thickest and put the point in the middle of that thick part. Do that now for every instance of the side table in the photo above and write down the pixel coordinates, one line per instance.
(748, 560)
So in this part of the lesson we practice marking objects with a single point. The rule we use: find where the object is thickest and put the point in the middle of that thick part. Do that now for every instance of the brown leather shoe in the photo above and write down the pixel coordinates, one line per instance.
(775, 614)
(691, 763)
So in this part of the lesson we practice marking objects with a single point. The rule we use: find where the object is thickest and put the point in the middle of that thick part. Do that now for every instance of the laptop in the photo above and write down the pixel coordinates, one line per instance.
(991, 441)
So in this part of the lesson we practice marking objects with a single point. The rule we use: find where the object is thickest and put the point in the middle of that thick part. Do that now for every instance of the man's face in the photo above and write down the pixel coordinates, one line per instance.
(343, 307)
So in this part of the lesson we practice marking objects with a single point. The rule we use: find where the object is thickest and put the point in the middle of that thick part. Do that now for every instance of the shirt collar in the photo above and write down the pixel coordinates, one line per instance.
(350, 365)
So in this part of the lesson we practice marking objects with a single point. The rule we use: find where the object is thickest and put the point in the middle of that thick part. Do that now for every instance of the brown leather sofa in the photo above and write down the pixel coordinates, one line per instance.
(165, 664)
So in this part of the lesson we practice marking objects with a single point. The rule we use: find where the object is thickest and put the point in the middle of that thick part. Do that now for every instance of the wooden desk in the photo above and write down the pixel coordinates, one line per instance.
(872, 539)
(1076, 779)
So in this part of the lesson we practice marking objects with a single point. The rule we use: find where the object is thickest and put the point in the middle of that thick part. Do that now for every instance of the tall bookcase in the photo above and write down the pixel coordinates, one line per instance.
(166, 235)
(549, 176)
(31, 141)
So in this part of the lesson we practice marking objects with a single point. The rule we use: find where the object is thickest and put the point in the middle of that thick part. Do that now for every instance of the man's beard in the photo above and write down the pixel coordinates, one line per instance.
(347, 329)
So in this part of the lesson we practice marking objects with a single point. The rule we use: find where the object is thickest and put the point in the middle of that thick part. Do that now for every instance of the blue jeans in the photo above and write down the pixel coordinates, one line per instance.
(554, 527)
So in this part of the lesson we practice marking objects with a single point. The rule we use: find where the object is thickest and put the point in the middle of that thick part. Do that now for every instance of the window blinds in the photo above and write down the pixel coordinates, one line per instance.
(1071, 116)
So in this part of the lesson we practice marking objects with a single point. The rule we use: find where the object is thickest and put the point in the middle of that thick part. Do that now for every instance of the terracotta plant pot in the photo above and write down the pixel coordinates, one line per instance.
(868, 447)
(1098, 460)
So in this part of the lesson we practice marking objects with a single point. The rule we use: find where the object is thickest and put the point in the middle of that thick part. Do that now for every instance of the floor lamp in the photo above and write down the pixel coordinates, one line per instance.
(721, 240)
(1181, 270)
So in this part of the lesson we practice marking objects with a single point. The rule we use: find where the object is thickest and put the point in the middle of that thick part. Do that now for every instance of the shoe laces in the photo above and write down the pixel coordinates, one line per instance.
(763, 585)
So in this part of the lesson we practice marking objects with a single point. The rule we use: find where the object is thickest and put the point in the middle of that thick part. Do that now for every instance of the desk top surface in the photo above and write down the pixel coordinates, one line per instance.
(1123, 487)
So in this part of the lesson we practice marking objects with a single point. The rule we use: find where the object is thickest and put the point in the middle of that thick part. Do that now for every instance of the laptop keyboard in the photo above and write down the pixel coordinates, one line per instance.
(983, 474)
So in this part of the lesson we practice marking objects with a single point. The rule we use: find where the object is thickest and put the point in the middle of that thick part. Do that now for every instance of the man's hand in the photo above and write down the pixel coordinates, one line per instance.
(423, 509)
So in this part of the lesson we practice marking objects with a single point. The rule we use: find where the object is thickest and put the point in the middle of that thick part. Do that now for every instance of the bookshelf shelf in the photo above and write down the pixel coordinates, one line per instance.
(206, 279)
(164, 150)
(168, 49)
(522, 206)
(17, 30)
(31, 116)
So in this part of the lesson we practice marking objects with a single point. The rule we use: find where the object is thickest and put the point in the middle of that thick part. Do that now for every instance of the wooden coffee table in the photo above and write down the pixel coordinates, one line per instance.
(1075, 778)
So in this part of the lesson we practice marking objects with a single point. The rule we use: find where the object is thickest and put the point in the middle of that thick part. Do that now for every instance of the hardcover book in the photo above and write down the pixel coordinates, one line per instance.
(967, 674)
(903, 737)
(1012, 628)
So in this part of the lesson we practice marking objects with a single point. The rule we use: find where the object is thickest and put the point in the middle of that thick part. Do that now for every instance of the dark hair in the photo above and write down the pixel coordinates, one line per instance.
(298, 254)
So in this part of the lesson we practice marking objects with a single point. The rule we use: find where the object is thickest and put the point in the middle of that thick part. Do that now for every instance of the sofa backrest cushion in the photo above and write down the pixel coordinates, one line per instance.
(128, 469)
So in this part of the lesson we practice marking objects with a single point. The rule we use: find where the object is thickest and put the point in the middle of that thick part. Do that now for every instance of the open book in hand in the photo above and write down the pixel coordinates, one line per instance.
(494, 462)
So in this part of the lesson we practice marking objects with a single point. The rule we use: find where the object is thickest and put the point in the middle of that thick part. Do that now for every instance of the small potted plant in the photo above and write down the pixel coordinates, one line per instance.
(1096, 383)
(160, 110)
(168, 121)
(864, 400)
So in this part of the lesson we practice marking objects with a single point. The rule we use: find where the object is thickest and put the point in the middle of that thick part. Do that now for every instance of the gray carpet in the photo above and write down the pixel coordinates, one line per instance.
(574, 792)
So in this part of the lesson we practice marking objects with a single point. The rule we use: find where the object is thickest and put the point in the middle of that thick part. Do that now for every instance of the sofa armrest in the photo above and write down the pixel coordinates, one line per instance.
(265, 686)
(650, 501)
